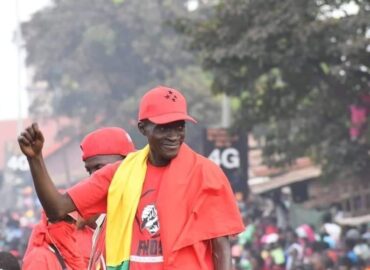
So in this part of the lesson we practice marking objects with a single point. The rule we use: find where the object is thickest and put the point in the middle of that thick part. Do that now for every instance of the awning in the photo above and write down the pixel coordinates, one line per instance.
(285, 179)
(353, 221)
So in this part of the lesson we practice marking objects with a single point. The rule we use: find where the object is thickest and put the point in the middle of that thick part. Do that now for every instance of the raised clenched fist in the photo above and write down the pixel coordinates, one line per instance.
(31, 141)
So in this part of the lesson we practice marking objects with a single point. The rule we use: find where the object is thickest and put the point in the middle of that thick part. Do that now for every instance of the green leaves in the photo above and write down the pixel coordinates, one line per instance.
(295, 71)
(101, 35)
(118, 2)
(98, 57)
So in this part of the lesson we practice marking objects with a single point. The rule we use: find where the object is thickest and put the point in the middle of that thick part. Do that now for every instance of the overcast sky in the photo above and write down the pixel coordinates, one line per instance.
(9, 91)
(8, 55)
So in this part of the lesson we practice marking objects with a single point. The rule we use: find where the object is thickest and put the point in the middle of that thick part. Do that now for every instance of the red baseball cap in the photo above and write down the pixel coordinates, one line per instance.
(162, 105)
(107, 141)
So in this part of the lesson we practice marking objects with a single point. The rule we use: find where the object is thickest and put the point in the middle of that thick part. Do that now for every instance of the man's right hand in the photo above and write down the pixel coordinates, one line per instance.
(31, 141)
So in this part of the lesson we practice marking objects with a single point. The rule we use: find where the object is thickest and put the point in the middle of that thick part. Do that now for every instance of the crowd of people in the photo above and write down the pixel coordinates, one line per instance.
(12, 234)
(262, 245)
(265, 245)
(16, 222)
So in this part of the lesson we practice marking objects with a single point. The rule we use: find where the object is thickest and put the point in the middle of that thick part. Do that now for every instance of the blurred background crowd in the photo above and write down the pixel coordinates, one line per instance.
(271, 240)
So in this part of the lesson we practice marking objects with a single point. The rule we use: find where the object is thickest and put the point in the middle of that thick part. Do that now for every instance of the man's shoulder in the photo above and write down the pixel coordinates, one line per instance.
(201, 162)
(206, 162)
(109, 169)
(105, 173)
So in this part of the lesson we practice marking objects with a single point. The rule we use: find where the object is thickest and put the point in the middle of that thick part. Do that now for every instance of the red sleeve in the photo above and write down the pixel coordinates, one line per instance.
(90, 195)
(214, 204)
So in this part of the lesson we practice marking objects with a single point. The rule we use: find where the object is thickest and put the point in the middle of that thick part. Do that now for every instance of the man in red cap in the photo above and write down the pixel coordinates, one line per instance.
(67, 244)
(167, 206)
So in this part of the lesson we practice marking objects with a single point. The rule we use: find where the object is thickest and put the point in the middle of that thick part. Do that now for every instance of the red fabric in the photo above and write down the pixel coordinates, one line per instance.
(194, 206)
(271, 229)
(107, 141)
(358, 120)
(358, 115)
(41, 258)
(309, 232)
(63, 236)
(90, 195)
(84, 241)
(146, 239)
(163, 105)
(332, 255)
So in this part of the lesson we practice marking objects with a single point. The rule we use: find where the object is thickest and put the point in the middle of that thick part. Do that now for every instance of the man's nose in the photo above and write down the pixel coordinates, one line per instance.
(173, 133)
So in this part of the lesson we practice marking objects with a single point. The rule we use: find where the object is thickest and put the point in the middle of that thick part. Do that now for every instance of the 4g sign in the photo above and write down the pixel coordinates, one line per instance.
(18, 163)
(229, 151)
(228, 158)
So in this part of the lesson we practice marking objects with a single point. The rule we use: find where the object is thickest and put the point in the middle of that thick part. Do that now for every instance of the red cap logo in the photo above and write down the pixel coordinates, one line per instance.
(162, 105)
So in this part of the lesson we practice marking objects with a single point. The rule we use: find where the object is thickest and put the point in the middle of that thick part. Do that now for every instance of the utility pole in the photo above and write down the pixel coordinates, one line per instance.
(242, 146)
(18, 42)
(226, 112)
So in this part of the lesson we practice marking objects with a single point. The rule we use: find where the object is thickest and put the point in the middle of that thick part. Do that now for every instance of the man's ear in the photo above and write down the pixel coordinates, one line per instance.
(141, 127)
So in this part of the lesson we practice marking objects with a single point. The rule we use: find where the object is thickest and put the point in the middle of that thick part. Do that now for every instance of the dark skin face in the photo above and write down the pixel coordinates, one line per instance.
(164, 140)
(94, 163)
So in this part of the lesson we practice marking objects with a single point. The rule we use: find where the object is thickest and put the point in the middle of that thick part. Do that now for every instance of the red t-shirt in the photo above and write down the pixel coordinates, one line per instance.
(41, 258)
(90, 196)
(146, 247)
(84, 241)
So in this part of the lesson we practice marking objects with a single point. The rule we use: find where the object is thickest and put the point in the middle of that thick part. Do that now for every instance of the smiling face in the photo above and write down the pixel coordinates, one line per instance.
(164, 140)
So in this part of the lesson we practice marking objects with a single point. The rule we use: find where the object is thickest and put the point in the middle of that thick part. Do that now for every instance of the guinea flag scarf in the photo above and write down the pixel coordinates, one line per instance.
(123, 199)
(195, 204)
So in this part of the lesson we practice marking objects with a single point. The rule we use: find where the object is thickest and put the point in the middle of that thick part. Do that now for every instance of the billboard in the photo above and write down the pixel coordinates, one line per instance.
(229, 150)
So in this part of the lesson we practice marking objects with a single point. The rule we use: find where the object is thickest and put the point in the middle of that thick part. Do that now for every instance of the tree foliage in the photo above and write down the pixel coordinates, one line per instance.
(296, 66)
(98, 57)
